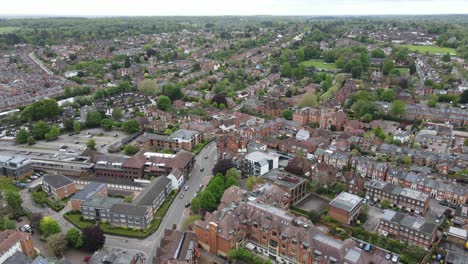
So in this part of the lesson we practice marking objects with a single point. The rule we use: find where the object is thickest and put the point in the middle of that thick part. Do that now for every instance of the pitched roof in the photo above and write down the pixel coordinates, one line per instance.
(128, 209)
(149, 194)
(88, 191)
(8, 238)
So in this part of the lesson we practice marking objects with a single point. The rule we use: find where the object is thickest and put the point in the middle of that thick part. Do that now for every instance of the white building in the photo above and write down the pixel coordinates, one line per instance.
(303, 135)
(402, 136)
(177, 179)
(258, 163)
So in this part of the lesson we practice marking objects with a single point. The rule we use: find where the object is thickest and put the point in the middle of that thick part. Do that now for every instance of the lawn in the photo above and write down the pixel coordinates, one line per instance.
(430, 49)
(4, 30)
(6, 184)
(319, 64)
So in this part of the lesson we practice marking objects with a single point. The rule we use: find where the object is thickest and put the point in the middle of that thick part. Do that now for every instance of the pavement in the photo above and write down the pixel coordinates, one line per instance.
(373, 218)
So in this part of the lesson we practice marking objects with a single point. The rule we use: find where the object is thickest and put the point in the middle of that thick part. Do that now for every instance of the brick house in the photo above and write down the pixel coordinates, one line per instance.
(58, 186)
(177, 247)
(345, 207)
(12, 242)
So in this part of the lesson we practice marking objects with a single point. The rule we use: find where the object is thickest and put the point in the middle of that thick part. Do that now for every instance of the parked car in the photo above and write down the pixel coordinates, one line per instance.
(26, 229)
(388, 256)
(395, 258)
(181, 196)
(368, 248)
(34, 177)
(86, 259)
(202, 169)
(18, 219)
(206, 156)
(186, 187)
(187, 205)
(28, 180)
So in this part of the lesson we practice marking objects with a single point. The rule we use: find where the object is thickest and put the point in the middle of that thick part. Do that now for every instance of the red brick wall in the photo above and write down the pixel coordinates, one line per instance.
(338, 214)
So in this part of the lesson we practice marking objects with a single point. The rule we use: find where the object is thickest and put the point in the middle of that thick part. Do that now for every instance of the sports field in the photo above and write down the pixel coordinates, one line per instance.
(319, 64)
(430, 49)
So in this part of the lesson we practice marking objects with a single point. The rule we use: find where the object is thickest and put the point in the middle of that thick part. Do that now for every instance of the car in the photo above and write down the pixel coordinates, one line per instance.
(186, 188)
(86, 259)
(116, 135)
(103, 145)
(395, 258)
(368, 247)
(77, 142)
(388, 256)
(18, 219)
(187, 205)
(437, 220)
(26, 229)
(201, 186)
(361, 245)
(34, 177)
(21, 184)
(202, 169)
(181, 196)
(206, 156)
(28, 180)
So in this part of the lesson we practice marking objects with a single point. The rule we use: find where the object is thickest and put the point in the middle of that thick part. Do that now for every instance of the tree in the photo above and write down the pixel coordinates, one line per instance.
(287, 114)
(208, 201)
(131, 150)
(39, 198)
(57, 243)
(93, 119)
(378, 53)
(163, 102)
(127, 63)
(7, 224)
(412, 67)
(219, 98)
(385, 204)
(14, 201)
(221, 106)
(388, 95)
(387, 66)
(222, 166)
(53, 134)
(40, 129)
(195, 205)
(76, 126)
(31, 141)
(188, 222)
(172, 91)
(74, 238)
(107, 124)
(398, 109)
(446, 57)
(48, 226)
(339, 187)
(93, 238)
(131, 126)
(252, 181)
(286, 69)
(309, 99)
(117, 114)
(234, 173)
(463, 97)
(149, 87)
(22, 136)
(91, 144)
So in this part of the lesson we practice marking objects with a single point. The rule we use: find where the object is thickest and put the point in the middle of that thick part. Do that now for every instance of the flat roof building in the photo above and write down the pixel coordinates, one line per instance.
(345, 207)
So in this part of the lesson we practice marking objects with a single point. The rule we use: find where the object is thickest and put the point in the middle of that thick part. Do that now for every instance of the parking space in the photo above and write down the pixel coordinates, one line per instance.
(373, 218)
(313, 203)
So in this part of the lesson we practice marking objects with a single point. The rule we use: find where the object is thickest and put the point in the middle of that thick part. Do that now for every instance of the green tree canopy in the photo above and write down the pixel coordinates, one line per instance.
(163, 102)
(117, 114)
(388, 95)
(91, 144)
(130, 149)
(14, 202)
(22, 136)
(74, 237)
(149, 87)
(398, 109)
(309, 99)
(287, 114)
(53, 133)
(40, 129)
(93, 119)
(48, 226)
(131, 126)
(107, 124)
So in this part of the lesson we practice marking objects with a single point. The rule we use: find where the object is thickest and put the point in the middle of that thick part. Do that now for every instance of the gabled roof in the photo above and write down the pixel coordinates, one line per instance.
(88, 191)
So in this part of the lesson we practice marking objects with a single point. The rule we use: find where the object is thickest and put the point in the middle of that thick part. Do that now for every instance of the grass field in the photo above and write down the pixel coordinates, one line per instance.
(6, 184)
(4, 30)
(319, 64)
(430, 49)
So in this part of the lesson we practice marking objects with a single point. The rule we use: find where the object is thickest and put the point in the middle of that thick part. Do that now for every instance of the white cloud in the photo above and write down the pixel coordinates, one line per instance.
(231, 7)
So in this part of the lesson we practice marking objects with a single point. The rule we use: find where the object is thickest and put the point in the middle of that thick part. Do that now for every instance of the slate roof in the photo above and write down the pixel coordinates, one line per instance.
(149, 194)
(17, 258)
(128, 209)
(88, 191)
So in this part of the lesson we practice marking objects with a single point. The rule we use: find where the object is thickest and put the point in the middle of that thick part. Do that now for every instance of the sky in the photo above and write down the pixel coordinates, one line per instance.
(231, 7)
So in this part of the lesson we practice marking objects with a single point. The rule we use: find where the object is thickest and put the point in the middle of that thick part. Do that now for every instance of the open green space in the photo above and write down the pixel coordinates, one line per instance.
(75, 218)
(7, 184)
(5, 30)
(430, 49)
(319, 64)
